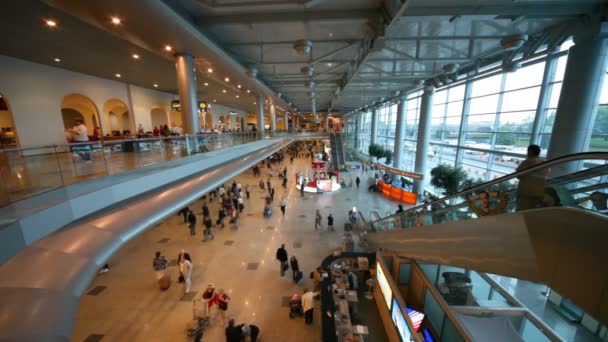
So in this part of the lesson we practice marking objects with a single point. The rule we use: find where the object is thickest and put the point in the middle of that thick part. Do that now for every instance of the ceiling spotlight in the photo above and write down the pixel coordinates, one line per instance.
(155, 85)
(302, 47)
(168, 48)
(248, 91)
(224, 91)
(115, 20)
(50, 23)
(226, 79)
(206, 84)
(330, 64)
(135, 56)
(118, 75)
(209, 70)
(238, 86)
(255, 103)
(214, 101)
(237, 96)
(57, 60)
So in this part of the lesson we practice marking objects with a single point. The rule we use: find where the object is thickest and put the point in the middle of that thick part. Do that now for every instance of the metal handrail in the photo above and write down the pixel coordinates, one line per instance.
(177, 137)
(517, 174)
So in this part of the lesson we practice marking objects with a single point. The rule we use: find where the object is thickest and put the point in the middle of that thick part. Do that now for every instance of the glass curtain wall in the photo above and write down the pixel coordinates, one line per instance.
(365, 133)
(387, 123)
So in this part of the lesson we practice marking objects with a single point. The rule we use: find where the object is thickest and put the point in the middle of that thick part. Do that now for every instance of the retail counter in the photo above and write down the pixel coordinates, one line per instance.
(335, 297)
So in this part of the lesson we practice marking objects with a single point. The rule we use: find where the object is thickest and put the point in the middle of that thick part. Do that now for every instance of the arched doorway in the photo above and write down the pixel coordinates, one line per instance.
(79, 107)
(118, 117)
(208, 120)
(158, 114)
(8, 131)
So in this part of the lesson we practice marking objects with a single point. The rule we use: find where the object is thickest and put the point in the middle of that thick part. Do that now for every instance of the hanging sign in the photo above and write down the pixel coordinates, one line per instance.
(176, 106)
(413, 175)
(203, 106)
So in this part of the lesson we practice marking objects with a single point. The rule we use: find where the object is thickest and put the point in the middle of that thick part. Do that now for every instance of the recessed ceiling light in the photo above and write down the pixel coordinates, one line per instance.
(255, 103)
(331, 34)
(237, 96)
(238, 86)
(209, 70)
(155, 85)
(214, 100)
(115, 20)
(206, 84)
(226, 79)
(50, 23)
(118, 75)
(57, 60)
(135, 56)
(168, 48)
(248, 91)
(330, 64)
(224, 91)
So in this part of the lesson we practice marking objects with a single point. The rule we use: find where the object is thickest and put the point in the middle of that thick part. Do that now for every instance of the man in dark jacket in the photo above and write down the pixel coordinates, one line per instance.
(357, 180)
(205, 210)
(282, 257)
(192, 222)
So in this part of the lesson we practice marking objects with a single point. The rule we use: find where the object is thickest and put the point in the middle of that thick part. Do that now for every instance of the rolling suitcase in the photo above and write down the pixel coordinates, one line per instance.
(165, 282)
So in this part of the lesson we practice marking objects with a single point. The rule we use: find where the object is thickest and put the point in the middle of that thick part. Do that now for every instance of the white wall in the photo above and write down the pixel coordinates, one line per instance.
(34, 93)
(217, 109)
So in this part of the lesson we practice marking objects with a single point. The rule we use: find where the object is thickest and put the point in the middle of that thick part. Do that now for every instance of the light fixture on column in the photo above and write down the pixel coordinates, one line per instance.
(307, 71)
(302, 47)
(251, 72)
(450, 68)
(513, 42)
(511, 66)
(309, 84)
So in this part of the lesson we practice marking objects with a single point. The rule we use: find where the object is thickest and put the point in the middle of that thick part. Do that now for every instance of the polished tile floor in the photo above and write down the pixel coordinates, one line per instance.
(125, 304)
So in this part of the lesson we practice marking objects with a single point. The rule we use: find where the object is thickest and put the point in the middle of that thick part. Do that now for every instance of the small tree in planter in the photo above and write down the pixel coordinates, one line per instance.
(448, 178)
(388, 154)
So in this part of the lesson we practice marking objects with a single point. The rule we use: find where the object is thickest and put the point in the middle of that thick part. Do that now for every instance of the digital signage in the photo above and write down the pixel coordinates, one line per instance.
(385, 288)
(400, 323)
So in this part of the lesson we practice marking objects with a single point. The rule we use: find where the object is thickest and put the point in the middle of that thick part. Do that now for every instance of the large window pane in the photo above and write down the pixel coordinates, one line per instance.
(454, 108)
(484, 105)
(529, 76)
(525, 99)
(490, 85)
(456, 93)
(440, 96)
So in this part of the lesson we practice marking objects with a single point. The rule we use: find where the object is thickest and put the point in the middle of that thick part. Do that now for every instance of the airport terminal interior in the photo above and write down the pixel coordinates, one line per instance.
(304, 170)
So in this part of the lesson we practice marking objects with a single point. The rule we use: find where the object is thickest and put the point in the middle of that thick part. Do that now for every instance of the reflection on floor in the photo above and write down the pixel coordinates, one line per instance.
(130, 307)
(533, 295)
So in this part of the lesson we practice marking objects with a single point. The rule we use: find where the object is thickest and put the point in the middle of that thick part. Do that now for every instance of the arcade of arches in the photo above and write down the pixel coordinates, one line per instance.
(8, 133)
(117, 117)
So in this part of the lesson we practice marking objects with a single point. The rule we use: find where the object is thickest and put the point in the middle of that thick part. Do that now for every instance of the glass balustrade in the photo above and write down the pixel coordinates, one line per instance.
(578, 180)
(26, 172)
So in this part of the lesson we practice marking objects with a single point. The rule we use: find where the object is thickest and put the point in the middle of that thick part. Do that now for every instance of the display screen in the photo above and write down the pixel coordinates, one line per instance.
(384, 286)
(400, 324)
(416, 318)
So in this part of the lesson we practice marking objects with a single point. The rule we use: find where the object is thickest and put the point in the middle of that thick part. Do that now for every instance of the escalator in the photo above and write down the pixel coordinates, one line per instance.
(339, 149)
(560, 243)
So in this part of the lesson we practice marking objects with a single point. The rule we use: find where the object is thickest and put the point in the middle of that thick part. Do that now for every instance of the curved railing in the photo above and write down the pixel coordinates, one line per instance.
(568, 181)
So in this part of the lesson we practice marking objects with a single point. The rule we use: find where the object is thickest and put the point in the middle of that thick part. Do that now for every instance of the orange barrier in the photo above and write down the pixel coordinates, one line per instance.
(397, 193)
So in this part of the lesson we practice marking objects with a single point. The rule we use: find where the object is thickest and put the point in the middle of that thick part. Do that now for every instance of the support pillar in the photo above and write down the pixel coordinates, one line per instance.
(424, 133)
(543, 100)
(374, 132)
(580, 94)
(327, 122)
(273, 119)
(186, 85)
(356, 131)
(261, 128)
(400, 134)
(287, 122)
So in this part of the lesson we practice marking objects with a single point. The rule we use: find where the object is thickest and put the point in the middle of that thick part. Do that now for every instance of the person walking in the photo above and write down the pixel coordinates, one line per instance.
(285, 182)
(185, 267)
(283, 206)
(205, 210)
(183, 255)
(184, 212)
(268, 184)
(318, 219)
(531, 187)
(316, 279)
(272, 194)
(221, 216)
(261, 184)
(295, 268)
(208, 233)
(281, 256)
(192, 222)
(247, 190)
(302, 189)
(308, 305)
(330, 223)
(159, 264)
(357, 181)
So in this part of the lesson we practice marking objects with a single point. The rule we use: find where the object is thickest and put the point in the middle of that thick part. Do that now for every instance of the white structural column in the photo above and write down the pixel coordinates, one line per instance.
(543, 99)
(327, 122)
(186, 86)
(400, 133)
(356, 131)
(286, 122)
(273, 119)
(424, 132)
(581, 89)
(374, 132)
(261, 127)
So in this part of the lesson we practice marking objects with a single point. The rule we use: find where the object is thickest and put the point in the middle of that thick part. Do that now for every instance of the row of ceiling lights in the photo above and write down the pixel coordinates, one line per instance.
(116, 21)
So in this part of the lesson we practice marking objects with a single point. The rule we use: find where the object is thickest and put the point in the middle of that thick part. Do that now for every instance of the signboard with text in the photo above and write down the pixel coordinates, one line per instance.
(412, 175)
(176, 106)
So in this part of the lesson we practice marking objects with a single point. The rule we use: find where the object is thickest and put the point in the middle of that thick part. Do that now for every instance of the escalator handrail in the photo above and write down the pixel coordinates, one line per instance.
(568, 158)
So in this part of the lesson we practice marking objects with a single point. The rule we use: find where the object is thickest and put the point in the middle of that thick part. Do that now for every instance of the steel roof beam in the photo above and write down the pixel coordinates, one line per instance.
(351, 41)
(536, 10)
(276, 17)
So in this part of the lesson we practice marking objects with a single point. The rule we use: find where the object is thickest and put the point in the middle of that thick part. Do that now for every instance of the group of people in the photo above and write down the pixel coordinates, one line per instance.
(319, 218)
